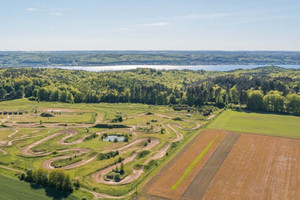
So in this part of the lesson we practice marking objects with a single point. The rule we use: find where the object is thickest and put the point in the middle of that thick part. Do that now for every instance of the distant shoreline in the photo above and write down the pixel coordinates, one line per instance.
(162, 67)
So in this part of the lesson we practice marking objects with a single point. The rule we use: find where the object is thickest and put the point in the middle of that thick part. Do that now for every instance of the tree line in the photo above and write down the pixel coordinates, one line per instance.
(57, 179)
(259, 90)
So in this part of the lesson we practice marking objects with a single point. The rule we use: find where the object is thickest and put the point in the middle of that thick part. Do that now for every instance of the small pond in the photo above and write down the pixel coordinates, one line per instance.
(111, 138)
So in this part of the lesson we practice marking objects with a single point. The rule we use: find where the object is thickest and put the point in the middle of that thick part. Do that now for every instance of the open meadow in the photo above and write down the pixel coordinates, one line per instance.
(258, 123)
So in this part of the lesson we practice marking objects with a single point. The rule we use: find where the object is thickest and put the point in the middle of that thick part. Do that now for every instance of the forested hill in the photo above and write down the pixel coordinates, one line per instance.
(271, 89)
(99, 58)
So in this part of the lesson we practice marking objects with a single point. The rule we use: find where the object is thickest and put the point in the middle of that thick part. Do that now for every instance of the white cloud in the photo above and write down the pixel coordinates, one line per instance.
(131, 27)
(159, 24)
(56, 13)
(206, 16)
(31, 9)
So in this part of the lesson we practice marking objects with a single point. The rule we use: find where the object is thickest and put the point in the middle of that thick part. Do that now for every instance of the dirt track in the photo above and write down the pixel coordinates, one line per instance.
(179, 136)
(211, 117)
(27, 150)
(99, 175)
(137, 173)
(79, 151)
(3, 151)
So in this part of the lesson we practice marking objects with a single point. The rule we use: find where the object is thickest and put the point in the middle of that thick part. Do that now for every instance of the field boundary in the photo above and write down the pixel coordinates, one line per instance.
(192, 165)
(170, 161)
(201, 181)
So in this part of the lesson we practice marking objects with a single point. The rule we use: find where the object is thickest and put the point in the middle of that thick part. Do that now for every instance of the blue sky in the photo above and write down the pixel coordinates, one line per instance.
(150, 25)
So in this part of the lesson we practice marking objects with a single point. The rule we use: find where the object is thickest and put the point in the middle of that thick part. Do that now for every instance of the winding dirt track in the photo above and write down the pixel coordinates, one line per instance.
(27, 150)
(211, 117)
(62, 141)
(10, 142)
(47, 164)
(12, 134)
(99, 176)
(79, 151)
(3, 151)
(178, 134)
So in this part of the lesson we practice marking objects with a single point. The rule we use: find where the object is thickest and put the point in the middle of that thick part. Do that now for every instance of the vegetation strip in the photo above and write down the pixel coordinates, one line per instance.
(188, 170)
(198, 186)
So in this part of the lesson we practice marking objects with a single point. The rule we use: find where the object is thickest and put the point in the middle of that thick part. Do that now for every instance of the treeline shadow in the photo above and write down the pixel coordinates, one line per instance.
(52, 193)
(264, 112)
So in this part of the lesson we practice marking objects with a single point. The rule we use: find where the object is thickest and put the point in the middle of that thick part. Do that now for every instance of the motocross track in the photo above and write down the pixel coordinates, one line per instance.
(99, 176)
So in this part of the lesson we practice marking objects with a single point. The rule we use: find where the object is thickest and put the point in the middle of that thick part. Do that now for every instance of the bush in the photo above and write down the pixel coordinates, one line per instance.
(110, 126)
(92, 136)
(22, 176)
(105, 156)
(46, 115)
(142, 154)
(177, 119)
(117, 178)
(151, 164)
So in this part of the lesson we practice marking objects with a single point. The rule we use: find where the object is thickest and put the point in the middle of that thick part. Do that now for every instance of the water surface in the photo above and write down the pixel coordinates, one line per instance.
(168, 67)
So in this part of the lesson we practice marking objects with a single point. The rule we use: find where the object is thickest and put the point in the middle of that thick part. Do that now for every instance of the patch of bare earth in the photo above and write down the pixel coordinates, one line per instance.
(198, 186)
(160, 185)
(259, 167)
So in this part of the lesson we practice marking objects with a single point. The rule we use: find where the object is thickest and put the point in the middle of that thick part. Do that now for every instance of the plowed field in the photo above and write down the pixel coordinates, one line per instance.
(259, 167)
(161, 184)
(236, 166)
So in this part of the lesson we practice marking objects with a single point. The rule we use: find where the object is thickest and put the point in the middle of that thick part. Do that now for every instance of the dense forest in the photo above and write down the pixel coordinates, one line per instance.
(270, 89)
(99, 58)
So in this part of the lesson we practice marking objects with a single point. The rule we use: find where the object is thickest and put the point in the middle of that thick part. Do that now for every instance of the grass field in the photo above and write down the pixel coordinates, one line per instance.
(12, 188)
(260, 123)
(36, 145)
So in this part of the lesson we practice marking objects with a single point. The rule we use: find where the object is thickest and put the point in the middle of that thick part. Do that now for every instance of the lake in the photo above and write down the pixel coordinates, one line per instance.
(167, 67)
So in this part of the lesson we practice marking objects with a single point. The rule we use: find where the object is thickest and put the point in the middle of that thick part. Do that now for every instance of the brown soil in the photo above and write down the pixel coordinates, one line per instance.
(198, 186)
(259, 167)
(160, 185)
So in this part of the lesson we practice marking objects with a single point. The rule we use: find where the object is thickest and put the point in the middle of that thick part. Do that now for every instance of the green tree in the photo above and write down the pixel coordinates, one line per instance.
(255, 100)
(293, 104)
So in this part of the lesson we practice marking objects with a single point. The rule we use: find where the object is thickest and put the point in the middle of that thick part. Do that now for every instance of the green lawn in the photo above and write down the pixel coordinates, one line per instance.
(13, 189)
(261, 123)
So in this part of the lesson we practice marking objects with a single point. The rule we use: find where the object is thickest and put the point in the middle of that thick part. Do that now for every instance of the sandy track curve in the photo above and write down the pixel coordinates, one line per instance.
(99, 176)
(211, 117)
(79, 151)
(27, 150)
(10, 142)
(9, 136)
(62, 141)
(198, 125)
(179, 135)
(3, 151)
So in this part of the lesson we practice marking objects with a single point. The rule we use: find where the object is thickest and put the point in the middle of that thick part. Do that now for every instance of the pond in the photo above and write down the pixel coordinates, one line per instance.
(111, 138)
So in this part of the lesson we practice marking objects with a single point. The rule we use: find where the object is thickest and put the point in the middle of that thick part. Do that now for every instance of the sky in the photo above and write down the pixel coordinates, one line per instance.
(41, 25)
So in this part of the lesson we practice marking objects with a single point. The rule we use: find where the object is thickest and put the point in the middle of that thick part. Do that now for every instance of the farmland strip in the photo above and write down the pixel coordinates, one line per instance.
(200, 183)
(191, 166)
